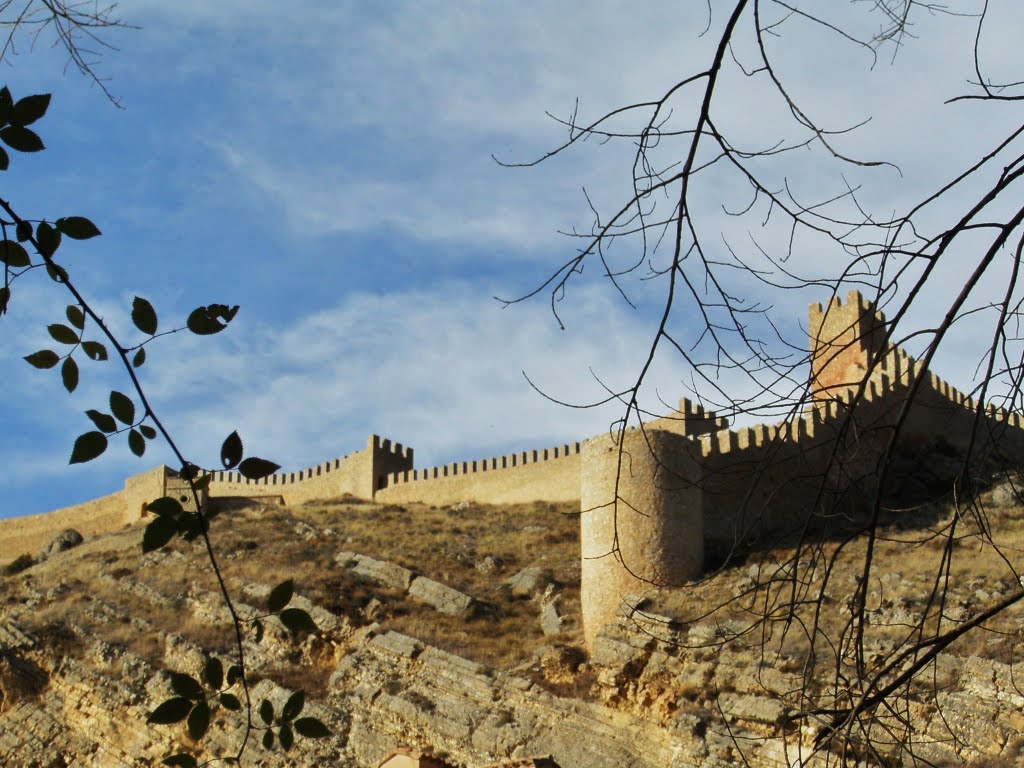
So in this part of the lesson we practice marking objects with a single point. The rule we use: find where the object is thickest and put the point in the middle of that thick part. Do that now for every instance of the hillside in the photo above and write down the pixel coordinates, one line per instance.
(423, 641)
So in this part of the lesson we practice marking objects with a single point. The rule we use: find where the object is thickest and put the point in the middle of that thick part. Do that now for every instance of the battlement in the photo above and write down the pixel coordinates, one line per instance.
(385, 446)
(544, 474)
(693, 489)
(280, 478)
(492, 464)
(689, 419)
(845, 339)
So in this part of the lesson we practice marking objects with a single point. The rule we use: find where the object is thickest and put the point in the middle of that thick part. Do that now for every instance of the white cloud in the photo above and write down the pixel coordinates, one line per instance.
(439, 370)
(378, 120)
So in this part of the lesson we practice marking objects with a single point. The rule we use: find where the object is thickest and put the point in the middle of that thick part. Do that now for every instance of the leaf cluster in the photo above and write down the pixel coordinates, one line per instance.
(92, 444)
(15, 117)
(196, 705)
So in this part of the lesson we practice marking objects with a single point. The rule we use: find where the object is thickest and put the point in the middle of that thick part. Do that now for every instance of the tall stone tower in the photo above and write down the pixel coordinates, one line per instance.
(844, 338)
(641, 520)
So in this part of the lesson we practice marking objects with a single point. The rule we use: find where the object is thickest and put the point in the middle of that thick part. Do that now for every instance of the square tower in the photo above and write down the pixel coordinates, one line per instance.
(844, 339)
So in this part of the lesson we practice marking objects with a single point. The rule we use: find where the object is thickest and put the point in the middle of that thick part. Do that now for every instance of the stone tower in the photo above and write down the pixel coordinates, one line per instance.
(844, 338)
(653, 536)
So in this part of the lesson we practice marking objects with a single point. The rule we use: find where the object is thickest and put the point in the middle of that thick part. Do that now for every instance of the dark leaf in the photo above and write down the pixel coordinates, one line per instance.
(23, 231)
(139, 359)
(5, 297)
(293, 706)
(192, 525)
(286, 737)
(21, 139)
(30, 109)
(203, 323)
(166, 506)
(103, 421)
(94, 350)
(87, 447)
(69, 374)
(214, 673)
(48, 238)
(122, 407)
(144, 316)
(136, 442)
(6, 105)
(158, 533)
(234, 674)
(311, 728)
(187, 686)
(268, 740)
(230, 701)
(259, 630)
(13, 254)
(297, 620)
(5, 159)
(281, 595)
(62, 333)
(256, 469)
(171, 711)
(44, 358)
(181, 760)
(231, 451)
(57, 273)
(78, 228)
(75, 316)
(199, 720)
(266, 712)
(223, 311)
(147, 431)
(189, 471)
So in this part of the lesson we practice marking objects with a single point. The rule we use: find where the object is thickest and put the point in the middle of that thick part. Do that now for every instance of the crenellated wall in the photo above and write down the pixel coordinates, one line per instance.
(844, 337)
(28, 534)
(763, 484)
(549, 474)
(690, 491)
(359, 474)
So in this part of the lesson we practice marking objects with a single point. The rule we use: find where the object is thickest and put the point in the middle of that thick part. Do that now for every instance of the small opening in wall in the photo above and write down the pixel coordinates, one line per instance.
(183, 499)
(381, 482)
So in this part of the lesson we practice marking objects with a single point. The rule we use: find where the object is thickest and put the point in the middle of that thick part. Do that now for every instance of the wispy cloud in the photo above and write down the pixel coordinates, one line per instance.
(440, 370)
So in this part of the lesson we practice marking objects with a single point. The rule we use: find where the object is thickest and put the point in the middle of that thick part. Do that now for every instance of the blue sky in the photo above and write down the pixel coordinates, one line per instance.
(328, 168)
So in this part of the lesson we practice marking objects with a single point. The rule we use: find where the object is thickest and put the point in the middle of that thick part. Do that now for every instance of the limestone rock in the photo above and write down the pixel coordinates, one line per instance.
(67, 539)
(758, 709)
(529, 582)
(1007, 494)
(488, 564)
(442, 597)
(550, 618)
(390, 574)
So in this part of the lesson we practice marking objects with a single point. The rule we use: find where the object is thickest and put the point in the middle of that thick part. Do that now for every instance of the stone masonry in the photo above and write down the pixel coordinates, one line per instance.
(668, 498)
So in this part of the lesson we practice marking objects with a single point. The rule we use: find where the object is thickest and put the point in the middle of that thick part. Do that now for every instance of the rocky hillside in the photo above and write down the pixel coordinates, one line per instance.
(454, 631)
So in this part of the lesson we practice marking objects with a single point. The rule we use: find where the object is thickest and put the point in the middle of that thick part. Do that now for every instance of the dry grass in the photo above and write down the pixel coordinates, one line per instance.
(906, 562)
(84, 594)
(76, 597)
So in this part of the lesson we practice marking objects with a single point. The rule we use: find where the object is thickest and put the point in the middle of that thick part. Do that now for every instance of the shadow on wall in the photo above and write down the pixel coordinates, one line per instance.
(684, 498)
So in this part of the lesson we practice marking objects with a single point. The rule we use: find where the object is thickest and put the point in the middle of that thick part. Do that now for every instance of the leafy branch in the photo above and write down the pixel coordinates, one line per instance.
(133, 414)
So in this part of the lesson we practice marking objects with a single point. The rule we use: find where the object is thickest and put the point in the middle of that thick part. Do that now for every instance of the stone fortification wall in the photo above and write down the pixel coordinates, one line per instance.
(26, 535)
(360, 473)
(763, 484)
(624, 548)
(844, 337)
(689, 419)
(699, 495)
(550, 474)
